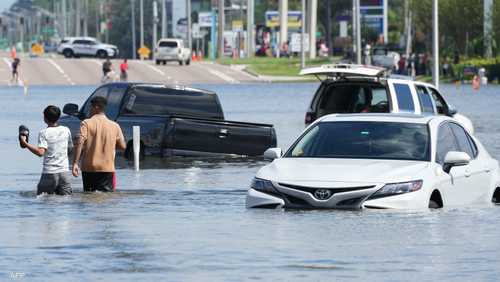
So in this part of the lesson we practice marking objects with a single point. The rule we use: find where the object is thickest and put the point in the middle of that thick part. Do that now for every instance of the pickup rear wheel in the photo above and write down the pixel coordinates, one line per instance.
(181, 62)
(129, 152)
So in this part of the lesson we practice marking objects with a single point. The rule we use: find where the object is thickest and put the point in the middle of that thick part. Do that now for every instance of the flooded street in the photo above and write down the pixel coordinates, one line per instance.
(185, 219)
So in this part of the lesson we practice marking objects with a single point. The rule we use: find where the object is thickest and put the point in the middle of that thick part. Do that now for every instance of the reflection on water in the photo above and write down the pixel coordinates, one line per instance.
(185, 219)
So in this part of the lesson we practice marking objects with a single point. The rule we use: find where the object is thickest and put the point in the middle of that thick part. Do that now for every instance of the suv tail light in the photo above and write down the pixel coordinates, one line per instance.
(310, 117)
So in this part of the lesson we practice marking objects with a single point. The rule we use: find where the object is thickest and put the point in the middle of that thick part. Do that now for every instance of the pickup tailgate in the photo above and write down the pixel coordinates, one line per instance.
(219, 136)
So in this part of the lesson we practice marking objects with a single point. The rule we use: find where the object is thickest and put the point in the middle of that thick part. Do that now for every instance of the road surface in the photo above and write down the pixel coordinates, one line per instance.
(57, 70)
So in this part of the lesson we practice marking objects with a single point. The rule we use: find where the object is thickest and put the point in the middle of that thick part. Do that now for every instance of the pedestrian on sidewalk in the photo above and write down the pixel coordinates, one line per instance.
(106, 69)
(15, 72)
(96, 147)
(123, 70)
(54, 143)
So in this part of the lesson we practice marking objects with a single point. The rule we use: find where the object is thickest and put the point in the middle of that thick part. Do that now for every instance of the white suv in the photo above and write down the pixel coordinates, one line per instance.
(366, 89)
(86, 46)
(172, 49)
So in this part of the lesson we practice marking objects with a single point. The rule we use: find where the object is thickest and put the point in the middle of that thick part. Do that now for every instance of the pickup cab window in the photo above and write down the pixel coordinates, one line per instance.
(425, 100)
(405, 99)
(166, 101)
(102, 91)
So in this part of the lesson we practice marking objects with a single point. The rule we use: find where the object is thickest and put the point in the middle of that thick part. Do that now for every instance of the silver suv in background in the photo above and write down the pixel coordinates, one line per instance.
(172, 49)
(86, 47)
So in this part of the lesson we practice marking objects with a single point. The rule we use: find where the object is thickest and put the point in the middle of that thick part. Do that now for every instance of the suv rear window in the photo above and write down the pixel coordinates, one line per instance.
(167, 101)
(170, 44)
(353, 98)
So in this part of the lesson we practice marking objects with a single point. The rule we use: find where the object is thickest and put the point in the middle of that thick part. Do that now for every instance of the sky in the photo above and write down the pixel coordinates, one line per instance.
(4, 4)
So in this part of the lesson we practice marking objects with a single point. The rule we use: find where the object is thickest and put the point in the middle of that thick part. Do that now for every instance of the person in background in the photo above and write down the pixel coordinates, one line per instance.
(15, 71)
(123, 70)
(96, 147)
(106, 69)
(54, 143)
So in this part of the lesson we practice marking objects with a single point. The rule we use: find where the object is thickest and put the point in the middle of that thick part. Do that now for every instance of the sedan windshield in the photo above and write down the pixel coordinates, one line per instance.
(364, 140)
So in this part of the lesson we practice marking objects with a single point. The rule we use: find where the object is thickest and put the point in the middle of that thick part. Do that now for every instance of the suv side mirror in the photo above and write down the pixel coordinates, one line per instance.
(71, 109)
(454, 158)
(272, 153)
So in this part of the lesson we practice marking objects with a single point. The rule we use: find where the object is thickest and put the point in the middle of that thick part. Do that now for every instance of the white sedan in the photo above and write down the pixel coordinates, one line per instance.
(378, 161)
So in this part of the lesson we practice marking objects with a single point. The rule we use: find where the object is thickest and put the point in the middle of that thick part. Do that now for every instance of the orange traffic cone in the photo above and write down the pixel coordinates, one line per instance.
(13, 52)
(193, 57)
(200, 56)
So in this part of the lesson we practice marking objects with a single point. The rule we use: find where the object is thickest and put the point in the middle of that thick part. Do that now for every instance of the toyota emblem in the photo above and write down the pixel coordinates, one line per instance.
(322, 194)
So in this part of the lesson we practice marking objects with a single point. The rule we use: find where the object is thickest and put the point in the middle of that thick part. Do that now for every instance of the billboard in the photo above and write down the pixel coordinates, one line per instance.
(294, 19)
(372, 14)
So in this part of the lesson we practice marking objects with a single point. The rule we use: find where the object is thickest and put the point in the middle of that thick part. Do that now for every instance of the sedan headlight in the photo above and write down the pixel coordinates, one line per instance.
(397, 189)
(263, 185)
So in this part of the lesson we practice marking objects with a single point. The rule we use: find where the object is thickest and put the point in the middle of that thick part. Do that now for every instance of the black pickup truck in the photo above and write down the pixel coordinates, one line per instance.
(174, 121)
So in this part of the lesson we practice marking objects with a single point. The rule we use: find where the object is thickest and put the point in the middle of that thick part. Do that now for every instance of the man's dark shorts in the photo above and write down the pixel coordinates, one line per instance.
(54, 183)
(98, 181)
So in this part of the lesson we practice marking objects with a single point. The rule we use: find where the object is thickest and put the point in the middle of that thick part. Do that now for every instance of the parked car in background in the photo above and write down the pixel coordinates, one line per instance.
(363, 89)
(86, 47)
(174, 121)
(378, 161)
(172, 50)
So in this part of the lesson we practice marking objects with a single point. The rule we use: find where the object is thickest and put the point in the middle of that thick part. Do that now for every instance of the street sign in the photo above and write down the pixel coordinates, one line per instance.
(37, 49)
(237, 25)
(295, 45)
(144, 52)
(205, 19)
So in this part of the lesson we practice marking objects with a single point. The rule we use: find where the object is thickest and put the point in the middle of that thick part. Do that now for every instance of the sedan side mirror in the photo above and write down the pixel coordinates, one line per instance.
(452, 110)
(71, 109)
(453, 158)
(272, 153)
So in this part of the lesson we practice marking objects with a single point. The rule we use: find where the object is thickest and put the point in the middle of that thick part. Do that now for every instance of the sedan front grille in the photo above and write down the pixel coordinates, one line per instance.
(312, 190)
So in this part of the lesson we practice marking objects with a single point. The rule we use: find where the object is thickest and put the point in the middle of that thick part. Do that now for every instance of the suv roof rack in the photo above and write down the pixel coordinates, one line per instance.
(344, 70)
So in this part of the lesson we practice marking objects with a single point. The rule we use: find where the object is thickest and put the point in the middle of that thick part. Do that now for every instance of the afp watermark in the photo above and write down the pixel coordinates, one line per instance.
(17, 275)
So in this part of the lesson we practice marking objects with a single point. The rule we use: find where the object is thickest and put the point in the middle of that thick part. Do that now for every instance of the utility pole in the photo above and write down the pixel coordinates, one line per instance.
(250, 22)
(358, 34)
(134, 47)
(329, 26)
(408, 24)
(353, 29)
(85, 18)
(220, 33)
(163, 18)
(313, 20)
(435, 43)
(141, 3)
(386, 20)
(303, 37)
(487, 27)
(283, 11)
(78, 18)
(64, 18)
(188, 15)
(155, 27)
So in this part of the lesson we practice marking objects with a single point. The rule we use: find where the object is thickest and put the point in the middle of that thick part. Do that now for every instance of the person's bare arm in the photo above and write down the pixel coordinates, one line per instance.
(120, 141)
(34, 149)
(77, 153)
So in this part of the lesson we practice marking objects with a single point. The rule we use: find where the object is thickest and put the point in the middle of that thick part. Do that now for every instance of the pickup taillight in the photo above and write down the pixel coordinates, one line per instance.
(310, 117)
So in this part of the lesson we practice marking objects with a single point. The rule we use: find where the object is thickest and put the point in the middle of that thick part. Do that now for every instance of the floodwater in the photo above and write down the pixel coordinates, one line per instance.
(185, 220)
